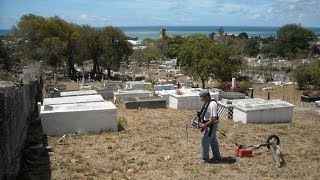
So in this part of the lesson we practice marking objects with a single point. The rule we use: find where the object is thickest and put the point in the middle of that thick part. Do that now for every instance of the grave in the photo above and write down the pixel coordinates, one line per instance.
(108, 91)
(78, 93)
(72, 99)
(55, 87)
(231, 95)
(310, 97)
(113, 83)
(257, 110)
(188, 99)
(144, 102)
(225, 109)
(80, 118)
(131, 94)
(165, 94)
(161, 87)
(136, 85)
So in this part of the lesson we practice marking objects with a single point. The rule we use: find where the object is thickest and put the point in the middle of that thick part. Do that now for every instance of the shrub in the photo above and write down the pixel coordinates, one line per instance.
(243, 87)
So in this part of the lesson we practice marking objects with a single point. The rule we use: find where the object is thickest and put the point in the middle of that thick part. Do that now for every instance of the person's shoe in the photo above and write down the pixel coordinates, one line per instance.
(215, 159)
(203, 161)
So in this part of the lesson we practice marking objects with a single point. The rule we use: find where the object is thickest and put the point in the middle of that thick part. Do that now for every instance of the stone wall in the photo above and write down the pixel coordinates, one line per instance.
(17, 103)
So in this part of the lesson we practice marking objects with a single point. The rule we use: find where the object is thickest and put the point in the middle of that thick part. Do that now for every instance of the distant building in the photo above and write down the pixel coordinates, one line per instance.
(163, 33)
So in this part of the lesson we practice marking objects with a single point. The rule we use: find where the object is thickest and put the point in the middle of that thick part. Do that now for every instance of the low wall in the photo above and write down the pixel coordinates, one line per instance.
(17, 104)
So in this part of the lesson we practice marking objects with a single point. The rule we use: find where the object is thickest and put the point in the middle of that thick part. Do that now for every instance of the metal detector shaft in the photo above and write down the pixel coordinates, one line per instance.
(186, 132)
(228, 138)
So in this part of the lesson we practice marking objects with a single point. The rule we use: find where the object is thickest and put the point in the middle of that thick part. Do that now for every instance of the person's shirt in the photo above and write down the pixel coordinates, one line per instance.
(212, 110)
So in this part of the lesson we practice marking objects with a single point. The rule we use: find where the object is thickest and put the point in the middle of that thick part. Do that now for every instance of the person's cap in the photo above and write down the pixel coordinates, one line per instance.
(204, 92)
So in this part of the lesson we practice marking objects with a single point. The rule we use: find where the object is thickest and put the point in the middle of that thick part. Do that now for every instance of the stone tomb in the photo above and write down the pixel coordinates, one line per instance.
(231, 95)
(163, 87)
(80, 118)
(78, 93)
(165, 94)
(144, 102)
(189, 99)
(131, 94)
(113, 83)
(108, 91)
(73, 99)
(262, 111)
(225, 109)
(138, 85)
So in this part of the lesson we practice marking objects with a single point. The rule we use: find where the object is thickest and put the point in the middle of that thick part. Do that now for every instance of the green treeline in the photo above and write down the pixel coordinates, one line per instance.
(219, 56)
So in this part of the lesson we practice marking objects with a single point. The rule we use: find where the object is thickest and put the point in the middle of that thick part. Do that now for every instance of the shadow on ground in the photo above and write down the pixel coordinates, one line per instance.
(35, 163)
(224, 160)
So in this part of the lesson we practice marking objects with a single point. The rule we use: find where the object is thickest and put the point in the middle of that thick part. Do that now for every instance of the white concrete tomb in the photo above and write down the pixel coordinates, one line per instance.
(78, 93)
(136, 85)
(257, 110)
(131, 94)
(72, 99)
(189, 99)
(81, 118)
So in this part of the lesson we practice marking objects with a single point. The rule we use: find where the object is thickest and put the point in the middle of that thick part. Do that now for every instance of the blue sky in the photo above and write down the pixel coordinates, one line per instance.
(99, 13)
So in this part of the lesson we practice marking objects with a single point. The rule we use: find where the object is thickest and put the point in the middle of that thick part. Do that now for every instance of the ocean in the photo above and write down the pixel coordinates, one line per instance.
(143, 32)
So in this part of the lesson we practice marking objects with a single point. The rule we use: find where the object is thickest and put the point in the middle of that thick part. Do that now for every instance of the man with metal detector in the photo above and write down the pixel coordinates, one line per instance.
(208, 123)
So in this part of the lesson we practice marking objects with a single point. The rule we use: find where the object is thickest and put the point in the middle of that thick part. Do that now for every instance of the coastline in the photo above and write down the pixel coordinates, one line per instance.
(143, 32)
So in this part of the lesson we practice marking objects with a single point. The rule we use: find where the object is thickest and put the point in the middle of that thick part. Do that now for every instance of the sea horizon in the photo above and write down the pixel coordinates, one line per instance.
(143, 32)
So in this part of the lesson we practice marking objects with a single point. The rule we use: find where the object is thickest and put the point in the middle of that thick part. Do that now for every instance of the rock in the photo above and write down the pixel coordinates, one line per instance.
(167, 157)
(49, 148)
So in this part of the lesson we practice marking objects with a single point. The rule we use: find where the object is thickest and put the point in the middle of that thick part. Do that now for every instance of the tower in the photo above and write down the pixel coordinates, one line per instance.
(162, 33)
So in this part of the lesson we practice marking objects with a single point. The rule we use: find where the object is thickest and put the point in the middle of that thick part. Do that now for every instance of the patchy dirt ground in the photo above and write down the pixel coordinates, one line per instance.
(153, 146)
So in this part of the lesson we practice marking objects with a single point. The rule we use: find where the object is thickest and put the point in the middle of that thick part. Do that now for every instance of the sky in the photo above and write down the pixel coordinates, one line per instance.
(100, 13)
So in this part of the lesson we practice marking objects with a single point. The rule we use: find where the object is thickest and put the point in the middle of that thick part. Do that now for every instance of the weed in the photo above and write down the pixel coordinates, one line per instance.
(141, 163)
(122, 122)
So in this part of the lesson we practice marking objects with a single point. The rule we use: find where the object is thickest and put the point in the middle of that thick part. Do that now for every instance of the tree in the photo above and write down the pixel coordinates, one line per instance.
(314, 71)
(243, 35)
(139, 56)
(252, 47)
(173, 48)
(302, 75)
(152, 52)
(53, 49)
(269, 50)
(116, 48)
(211, 35)
(70, 35)
(221, 31)
(30, 31)
(293, 39)
(92, 47)
(4, 57)
(200, 58)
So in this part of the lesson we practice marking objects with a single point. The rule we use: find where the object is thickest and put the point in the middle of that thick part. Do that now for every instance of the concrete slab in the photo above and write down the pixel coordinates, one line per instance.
(262, 111)
(189, 99)
(78, 93)
(72, 99)
(81, 118)
(136, 85)
(144, 102)
(163, 87)
(131, 94)
(231, 95)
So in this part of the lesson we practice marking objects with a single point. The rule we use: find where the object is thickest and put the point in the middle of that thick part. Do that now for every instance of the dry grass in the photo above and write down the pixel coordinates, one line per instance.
(153, 135)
